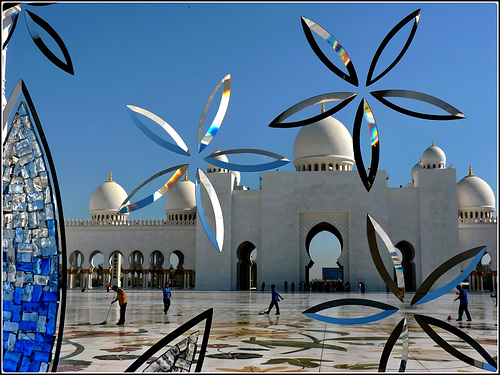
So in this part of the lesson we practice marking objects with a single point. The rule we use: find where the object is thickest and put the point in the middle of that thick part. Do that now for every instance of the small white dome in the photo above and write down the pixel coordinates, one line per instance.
(107, 198)
(414, 170)
(475, 194)
(433, 157)
(181, 197)
(212, 168)
(327, 139)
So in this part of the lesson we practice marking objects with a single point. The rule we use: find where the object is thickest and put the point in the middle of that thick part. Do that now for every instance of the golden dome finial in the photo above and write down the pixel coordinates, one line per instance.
(110, 177)
(186, 176)
(217, 149)
(322, 107)
(470, 171)
(433, 142)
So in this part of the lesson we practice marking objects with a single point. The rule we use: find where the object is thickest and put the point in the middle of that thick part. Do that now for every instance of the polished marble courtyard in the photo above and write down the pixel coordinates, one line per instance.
(241, 340)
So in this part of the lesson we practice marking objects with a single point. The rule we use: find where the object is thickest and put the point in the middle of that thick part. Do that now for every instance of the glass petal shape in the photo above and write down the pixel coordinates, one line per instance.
(415, 16)
(365, 111)
(207, 315)
(180, 170)
(423, 295)
(426, 321)
(372, 227)
(218, 239)
(33, 19)
(279, 162)
(219, 117)
(307, 26)
(345, 97)
(387, 311)
(401, 330)
(11, 13)
(454, 114)
(179, 148)
(45, 298)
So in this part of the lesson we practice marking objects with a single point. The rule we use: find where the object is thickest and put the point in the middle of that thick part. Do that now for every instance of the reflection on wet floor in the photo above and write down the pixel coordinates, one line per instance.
(241, 340)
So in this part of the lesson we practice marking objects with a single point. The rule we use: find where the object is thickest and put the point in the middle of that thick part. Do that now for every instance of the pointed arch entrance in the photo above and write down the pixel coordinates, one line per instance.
(318, 228)
(408, 253)
(246, 274)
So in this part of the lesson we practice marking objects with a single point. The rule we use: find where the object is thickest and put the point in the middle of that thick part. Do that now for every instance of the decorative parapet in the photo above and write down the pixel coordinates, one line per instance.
(491, 220)
(139, 222)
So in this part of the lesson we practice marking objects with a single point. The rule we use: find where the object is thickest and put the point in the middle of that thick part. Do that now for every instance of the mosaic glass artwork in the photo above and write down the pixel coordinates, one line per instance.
(401, 330)
(180, 147)
(179, 358)
(173, 360)
(309, 27)
(32, 246)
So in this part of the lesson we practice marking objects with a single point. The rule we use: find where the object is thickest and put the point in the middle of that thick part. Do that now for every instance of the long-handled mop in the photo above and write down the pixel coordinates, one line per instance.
(172, 304)
(106, 320)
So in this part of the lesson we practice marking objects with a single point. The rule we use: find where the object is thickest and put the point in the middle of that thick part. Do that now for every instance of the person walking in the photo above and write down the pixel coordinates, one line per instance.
(121, 297)
(167, 295)
(107, 287)
(263, 286)
(275, 297)
(463, 306)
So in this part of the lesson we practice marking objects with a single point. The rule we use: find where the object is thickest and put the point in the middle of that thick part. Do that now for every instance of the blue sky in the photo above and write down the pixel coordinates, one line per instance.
(168, 57)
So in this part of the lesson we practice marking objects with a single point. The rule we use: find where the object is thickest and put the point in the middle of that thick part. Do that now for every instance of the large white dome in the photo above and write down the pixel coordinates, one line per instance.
(326, 141)
(181, 197)
(107, 198)
(433, 157)
(474, 194)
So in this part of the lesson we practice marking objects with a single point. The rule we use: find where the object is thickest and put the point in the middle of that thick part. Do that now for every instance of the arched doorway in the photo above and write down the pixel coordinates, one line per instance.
(176, 261)
(136, 260)
(246, 274)
(408, 253)
(324, 244)
(75, 268)
(156, 260)
(97, 262)
(115, 267)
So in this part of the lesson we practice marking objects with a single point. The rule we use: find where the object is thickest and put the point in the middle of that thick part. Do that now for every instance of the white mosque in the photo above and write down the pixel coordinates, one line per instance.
(429, 220)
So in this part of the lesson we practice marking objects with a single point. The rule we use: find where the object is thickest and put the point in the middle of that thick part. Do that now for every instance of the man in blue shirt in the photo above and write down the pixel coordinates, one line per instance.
(462, 296)
(275, 297)
(167, 294)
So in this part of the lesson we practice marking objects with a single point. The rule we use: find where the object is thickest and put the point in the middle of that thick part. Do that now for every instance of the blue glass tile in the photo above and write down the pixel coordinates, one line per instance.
(9, 366)
(12, 356)
(35, 206)
(19, 235)
(31, 306)
(48, 242)
(37, 292)
(52, 310)
(27, 292)
(45, 266)
(47, 347)
(27, 326)
(44, 367)
(26, 267)
(54, 265)
(49, 296)
(51, 224)
(43, 308)
(51, 326)
(26, 336)
(7, 315)
(7, 292)
(18, 295)
(49, 339)
(10, 343)
(41, 326)
(25, 364)
(20, 346)
(35, 366)
(48, 251)
(28, 278)
(41, 356)
(10, 326)
(54, 283)
(37, 266)
(30, 316)
(16, 313)
(28, 347)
